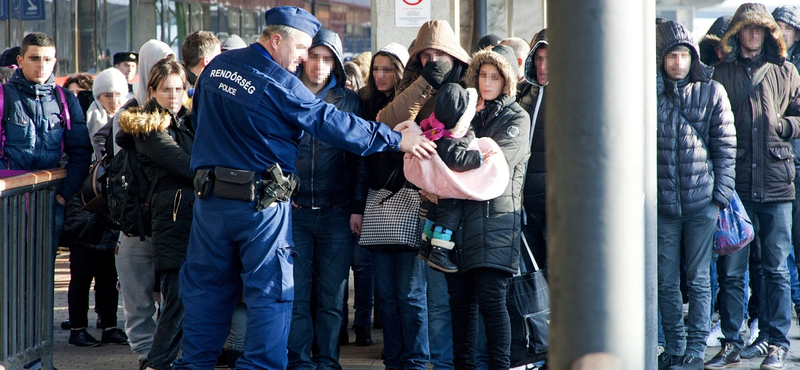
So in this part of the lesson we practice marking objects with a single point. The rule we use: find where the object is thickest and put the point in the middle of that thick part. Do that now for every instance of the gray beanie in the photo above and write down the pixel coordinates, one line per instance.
(110, 80)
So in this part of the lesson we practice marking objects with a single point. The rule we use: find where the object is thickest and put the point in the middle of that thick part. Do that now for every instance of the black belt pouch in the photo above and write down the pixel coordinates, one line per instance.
(234, 184)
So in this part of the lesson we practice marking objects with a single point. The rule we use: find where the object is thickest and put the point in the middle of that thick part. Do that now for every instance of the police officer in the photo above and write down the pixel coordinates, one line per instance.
(251, 113)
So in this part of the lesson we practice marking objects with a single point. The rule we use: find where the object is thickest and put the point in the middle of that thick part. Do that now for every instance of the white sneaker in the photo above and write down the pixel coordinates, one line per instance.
(713, 336)
(660, 350)
(753, 333)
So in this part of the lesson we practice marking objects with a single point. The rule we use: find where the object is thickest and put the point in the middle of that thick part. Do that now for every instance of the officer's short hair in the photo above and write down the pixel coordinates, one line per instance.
(36, 39)
(198, 45)
(284, 31)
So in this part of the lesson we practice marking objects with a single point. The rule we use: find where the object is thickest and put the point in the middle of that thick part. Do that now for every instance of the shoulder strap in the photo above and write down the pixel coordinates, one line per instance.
(535, 114)
(64, 114)
(755, 81)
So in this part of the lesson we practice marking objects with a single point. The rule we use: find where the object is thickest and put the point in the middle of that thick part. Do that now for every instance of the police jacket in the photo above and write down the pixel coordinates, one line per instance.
(696, 137)
(251, 113)
(163, 142)
(768, 117)
(490, 229)
(34, 131)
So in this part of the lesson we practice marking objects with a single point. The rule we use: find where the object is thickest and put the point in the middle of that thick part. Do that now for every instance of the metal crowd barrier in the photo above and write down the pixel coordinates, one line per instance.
(27, 263)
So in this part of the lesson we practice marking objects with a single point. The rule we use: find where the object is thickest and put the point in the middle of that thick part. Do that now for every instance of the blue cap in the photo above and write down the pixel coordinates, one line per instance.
(294, 17)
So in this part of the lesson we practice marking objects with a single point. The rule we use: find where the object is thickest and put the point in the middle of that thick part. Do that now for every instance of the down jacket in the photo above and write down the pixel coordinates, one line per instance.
(536, 174)
(696, 136)
(489, 232)
(768, 118)
(328, 175)
(164, 142)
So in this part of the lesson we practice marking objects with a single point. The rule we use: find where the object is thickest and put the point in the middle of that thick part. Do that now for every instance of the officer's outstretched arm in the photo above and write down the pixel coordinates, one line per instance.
(414, 142)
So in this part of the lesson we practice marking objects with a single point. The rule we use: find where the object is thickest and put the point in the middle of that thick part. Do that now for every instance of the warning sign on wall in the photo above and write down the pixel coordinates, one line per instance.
(412, 13)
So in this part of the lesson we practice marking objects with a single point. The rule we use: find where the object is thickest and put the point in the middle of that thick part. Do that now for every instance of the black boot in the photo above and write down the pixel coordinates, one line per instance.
(232, 357)
(439, 258)
(424, 248)
(363, 336)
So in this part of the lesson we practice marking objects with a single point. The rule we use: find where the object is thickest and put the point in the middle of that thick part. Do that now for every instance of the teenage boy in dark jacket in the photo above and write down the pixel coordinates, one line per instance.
(696, 157)
(327, 211)
(766, 119)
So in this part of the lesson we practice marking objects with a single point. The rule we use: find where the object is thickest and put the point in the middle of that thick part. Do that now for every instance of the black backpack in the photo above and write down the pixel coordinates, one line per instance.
(127, 191)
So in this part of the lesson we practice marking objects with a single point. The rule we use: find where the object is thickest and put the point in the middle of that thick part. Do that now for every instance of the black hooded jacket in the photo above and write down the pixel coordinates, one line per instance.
(330, 176)
(769, 117)
(535, 176)
(695, 134)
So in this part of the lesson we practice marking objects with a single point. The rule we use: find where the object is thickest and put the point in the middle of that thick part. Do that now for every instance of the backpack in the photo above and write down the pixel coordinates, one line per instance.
(63, 115)
(127, 190)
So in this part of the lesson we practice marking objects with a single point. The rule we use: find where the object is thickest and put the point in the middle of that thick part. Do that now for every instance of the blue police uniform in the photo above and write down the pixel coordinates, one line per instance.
(249, 114)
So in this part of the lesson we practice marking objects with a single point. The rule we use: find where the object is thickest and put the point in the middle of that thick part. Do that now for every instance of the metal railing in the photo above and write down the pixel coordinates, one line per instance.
(27, 263)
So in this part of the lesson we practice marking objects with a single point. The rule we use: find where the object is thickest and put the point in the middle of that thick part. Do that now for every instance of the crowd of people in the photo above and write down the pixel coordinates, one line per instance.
(252, 237)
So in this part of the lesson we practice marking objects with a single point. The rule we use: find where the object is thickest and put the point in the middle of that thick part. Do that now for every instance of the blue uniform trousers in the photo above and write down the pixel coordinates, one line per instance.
(233, 247)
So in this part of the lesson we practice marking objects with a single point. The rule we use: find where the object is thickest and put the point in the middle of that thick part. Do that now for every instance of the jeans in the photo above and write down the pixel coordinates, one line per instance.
(772, 224)
(235, 341)
(86, 264)
(235, 249)
(137, 278)
(363, 285)
(169, 333)
(696, 231)
(484, 290)
(400, 279)
(440, 329)
(323, 242)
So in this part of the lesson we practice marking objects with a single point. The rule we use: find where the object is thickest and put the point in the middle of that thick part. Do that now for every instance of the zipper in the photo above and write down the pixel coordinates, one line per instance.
(176, 203)
(313, 167)
(678, 102)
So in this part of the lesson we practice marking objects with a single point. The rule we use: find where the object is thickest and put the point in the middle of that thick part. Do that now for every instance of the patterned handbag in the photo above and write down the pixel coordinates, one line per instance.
(734, 228)
(391, 218)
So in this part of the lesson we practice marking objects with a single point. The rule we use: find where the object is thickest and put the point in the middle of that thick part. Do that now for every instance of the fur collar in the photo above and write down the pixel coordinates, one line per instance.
(482, 57)
(137, 121)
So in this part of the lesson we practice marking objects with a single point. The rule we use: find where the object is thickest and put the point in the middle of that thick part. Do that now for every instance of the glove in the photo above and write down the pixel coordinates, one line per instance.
(435, 73)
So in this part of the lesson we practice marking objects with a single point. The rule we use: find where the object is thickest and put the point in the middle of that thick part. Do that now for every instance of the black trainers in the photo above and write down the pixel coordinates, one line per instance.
(688, 363)
(363, 336)
(665, 361)
(728, 356)
(776, 358)
(757, 349)
(114, 336)
(82, 338)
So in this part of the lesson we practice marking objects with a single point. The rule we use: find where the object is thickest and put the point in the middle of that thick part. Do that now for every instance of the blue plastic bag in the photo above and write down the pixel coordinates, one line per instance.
(734, 228)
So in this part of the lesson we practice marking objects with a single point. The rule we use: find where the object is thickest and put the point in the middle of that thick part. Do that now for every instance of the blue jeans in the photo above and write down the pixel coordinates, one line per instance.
(696, 231)
(234, 248)
(400, 279)
(363, 286)
(772, 224)
(323, 242)
(440, 329)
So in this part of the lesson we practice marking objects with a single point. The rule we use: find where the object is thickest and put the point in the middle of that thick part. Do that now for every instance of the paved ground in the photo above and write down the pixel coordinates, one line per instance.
(119, 357)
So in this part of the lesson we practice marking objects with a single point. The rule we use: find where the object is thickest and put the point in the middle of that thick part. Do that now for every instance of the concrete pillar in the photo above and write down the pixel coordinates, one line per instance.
(651, 211)
(601, 67)
(143, 21)
(384, 30)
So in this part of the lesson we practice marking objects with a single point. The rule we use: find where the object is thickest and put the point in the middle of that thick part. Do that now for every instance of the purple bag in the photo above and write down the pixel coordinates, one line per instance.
(734, 228)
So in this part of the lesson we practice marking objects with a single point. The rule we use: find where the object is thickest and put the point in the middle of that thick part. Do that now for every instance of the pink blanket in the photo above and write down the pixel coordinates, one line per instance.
(483, 183)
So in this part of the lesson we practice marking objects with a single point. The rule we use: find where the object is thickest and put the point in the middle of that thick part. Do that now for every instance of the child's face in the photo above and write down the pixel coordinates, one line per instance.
(490, 82)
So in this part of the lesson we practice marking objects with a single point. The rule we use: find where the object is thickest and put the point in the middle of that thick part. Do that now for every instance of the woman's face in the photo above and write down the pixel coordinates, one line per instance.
(169, 93)
(383, 73)
(111, 102)
(490, 82)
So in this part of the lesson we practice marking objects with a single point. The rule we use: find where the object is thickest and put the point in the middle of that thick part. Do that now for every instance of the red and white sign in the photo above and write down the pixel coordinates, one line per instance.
(412, 13)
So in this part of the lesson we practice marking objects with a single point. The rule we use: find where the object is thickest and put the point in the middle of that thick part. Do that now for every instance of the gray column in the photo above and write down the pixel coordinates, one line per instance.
(599, 59)
(650, 187)
(143, 21)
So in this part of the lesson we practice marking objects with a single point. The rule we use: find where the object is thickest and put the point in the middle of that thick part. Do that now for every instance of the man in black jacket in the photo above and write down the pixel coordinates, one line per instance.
(696, 157)
(327, 212)
(766, 118)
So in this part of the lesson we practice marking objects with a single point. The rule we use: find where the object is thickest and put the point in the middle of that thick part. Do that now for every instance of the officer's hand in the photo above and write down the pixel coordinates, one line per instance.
(414, 142)
(435, 72)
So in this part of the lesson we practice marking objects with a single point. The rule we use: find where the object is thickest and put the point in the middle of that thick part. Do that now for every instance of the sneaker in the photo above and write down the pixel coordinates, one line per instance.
(754, 332)
(776, 359)
(82, 338)
(713, 336)
(728, 356)
(757, 349)
(114, 336)
(665, 361)
(688, 363)
(660, 350)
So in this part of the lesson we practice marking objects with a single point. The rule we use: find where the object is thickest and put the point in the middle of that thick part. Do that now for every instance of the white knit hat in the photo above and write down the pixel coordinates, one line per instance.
(110, 80)
(398, 51)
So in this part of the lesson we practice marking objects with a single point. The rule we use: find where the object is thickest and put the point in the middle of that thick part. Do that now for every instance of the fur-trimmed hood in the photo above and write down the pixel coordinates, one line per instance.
(708, 44)
(502, 64)
(141, 121)
(539, 41)
(670, 34)
(437, 35)
(754, 14)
